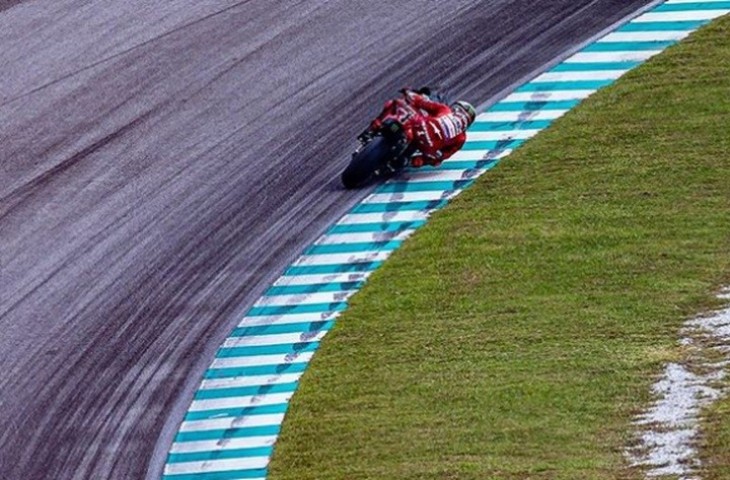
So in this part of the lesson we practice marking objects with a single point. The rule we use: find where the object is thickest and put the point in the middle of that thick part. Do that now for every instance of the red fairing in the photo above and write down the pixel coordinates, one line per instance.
(438, 134)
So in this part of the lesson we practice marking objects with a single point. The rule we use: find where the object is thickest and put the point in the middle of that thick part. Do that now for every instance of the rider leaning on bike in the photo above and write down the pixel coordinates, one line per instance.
(436, 130)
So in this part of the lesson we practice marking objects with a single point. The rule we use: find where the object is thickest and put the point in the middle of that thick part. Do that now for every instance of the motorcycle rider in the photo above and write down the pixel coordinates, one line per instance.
(435, 129)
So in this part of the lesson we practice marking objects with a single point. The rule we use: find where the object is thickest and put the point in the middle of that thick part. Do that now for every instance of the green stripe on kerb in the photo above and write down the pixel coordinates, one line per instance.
(376, 227)
(507, 126)
(536, 105)
(313, 288)
(568, 85)
(493, 145)
(395, 207)
(662, 26)
(294, 309)
(283, 328)
(464, 165)
(358, 247)
(592, 66)
(339, 268)
(219, 455)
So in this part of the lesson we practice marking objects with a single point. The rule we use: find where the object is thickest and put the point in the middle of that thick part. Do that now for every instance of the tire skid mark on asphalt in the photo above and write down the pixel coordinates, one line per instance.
(234, 420)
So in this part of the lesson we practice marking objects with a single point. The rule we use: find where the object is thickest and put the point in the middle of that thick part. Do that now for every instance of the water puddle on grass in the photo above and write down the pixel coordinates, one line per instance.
(669, 429)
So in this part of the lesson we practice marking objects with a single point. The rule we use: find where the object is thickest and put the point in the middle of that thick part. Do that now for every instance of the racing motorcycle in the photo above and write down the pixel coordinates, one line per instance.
(384, 153)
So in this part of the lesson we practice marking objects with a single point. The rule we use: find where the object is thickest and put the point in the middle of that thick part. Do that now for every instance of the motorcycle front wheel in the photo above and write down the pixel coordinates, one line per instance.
(365, 162)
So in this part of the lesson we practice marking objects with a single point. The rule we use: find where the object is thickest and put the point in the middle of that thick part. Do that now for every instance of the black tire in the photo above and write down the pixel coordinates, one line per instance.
(363, 165)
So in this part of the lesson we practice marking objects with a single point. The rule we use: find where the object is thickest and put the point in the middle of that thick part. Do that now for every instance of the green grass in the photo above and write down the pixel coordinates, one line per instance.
(716, 444)
(518, 332)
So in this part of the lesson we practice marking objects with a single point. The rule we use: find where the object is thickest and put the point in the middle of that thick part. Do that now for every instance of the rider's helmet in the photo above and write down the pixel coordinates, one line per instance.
(464, 111)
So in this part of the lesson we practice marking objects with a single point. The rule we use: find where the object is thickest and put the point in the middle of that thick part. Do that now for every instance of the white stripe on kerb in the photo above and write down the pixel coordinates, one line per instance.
(249, 381)
(549, 95)
(232, 422)
(261, 360)
(366, 237)
(241, 402)
(687, 16)
(658, 36)
(223, 444)
(348, 258)
(276, 339)
(476, 155)
(441, 175)
(213, 466)
(578, 76)
(608, 57)
(429, 196)
(359, 218)
(317, 279)
(260, 321)
(304, 298)
(521, 116)
(496, 136)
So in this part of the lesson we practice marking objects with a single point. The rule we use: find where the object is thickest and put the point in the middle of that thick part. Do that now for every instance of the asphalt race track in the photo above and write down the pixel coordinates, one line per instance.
(162, 162)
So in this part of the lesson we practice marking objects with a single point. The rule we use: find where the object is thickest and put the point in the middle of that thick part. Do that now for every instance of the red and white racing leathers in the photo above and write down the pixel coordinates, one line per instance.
(432, 127)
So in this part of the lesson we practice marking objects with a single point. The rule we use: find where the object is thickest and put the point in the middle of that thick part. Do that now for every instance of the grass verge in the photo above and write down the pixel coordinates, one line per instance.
(518, 332)
(715, 447)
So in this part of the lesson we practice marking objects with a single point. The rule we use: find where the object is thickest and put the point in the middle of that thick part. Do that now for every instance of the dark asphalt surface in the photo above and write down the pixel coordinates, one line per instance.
(162, 162)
